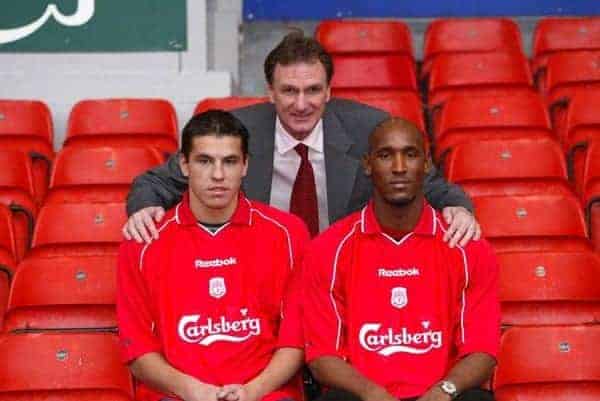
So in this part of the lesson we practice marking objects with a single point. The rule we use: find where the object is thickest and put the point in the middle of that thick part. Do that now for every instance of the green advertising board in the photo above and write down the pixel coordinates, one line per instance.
(92, 25)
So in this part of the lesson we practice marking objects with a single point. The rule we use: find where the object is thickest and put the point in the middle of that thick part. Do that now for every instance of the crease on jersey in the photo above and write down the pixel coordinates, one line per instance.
(165, 224)
(464, 291)
(333, 275)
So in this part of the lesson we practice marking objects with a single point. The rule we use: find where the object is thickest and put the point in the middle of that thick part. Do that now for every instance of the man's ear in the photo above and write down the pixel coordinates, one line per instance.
(183, 165)
(271, 92)
(366, 164)
(328, 92)
(428, 163)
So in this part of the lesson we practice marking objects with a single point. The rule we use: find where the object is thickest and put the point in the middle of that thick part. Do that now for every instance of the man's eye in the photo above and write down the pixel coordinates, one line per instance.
(231, 161)
(383, 155)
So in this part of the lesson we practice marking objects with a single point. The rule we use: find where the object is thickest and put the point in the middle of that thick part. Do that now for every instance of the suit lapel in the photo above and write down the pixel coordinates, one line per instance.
(340, 167)
(257, 184)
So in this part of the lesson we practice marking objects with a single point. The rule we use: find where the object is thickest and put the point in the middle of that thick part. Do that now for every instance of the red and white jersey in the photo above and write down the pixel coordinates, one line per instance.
(400, 311)
(215, 305)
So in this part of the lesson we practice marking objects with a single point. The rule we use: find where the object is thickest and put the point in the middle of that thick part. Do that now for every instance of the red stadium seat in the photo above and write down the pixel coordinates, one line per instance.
(466, 119)
(123, 122)
(63, 293)
(406, 105)
(7, 256)
(526, 110)
(578, 124)
(69, 225)
(26, 126)
(98, 174)
(549, 288)
(65, 367)
(557, 35)
(366, 72)
(527, 216)
(591, 191)
(480, 74)
(17, 192)
(227, 103)
(568, 72)
(472, 35)
(549, 363)
(364, 36)
(504, 160)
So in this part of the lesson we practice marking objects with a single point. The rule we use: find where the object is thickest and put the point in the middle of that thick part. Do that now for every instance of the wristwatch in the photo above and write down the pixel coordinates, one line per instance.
(449, 388)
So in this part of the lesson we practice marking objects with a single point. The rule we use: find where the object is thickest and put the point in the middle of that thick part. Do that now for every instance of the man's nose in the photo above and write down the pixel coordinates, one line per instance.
(300, 102)
(399, 164)
(218, 172)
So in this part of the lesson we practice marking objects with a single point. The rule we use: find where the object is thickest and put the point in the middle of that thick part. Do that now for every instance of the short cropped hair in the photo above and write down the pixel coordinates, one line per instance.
(297, 48)
(213, 122)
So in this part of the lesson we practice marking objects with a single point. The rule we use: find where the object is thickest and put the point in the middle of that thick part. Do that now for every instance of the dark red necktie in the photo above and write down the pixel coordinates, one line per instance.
(303, 202)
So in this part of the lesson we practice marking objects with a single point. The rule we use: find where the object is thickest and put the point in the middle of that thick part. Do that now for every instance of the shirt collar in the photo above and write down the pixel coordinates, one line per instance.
(284, 142)
(427, 224)
(241, 216)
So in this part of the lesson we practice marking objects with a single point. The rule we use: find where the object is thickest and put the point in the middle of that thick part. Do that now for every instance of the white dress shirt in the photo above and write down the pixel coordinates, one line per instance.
(286, 162)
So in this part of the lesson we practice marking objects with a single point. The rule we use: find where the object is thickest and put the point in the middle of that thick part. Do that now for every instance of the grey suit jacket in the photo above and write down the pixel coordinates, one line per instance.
(346, 128)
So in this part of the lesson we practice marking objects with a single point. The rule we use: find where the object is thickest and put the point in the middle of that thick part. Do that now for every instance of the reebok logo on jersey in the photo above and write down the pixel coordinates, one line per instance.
(206, 264)
(194, 331)
(408, 272)
(387, 342)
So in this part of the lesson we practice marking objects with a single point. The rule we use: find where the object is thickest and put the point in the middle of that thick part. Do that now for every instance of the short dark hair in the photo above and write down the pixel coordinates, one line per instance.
(297, 48)
(213, 122)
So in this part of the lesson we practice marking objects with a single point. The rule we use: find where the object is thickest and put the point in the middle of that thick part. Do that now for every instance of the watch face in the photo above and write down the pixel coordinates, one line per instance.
(448, 388)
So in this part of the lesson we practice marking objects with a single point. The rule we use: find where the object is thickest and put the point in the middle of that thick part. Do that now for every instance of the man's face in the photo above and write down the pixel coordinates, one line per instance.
(299, 92)
(215, 168)
(397, 164)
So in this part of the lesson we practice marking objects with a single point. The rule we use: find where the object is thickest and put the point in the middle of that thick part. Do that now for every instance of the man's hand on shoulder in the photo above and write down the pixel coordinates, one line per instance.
(141, 226)
(463, 226)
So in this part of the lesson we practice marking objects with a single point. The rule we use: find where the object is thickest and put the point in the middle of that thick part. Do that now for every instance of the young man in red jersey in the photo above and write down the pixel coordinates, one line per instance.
(207, 311)
(391, 311)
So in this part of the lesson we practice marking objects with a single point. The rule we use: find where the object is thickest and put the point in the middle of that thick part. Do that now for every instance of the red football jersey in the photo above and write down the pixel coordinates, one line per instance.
(400, 311)
(216, 305)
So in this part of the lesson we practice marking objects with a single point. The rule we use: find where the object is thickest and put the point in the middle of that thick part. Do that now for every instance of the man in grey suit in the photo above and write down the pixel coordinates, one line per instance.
(300, 113)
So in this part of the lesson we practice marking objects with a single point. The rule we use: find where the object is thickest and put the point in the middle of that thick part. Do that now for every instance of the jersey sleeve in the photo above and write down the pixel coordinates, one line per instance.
(324, 310)
(291, 331)
(480, 322)
(135, 319)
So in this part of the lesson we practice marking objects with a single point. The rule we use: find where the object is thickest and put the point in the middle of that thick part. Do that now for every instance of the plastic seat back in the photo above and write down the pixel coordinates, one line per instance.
(506, 160)
(491, 74)
(567, 72)
(63, 293)
(26, 126)
(368, 72)
(549, 288)
(406, 105)
(526, 111)
(548, 363)
(553, 35)
(64, 367)
(537, 215)
(124, 122)
(364, 36)
(472, 35)
(18, 193)
(67, 224)
(98, 174)
(227, 103)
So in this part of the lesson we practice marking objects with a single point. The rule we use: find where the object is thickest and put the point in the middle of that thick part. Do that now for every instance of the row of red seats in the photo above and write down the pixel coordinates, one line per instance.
(463, 56)
(534, 363)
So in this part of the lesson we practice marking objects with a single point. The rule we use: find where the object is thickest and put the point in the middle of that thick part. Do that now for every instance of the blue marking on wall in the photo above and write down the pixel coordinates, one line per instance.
(322, 9)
